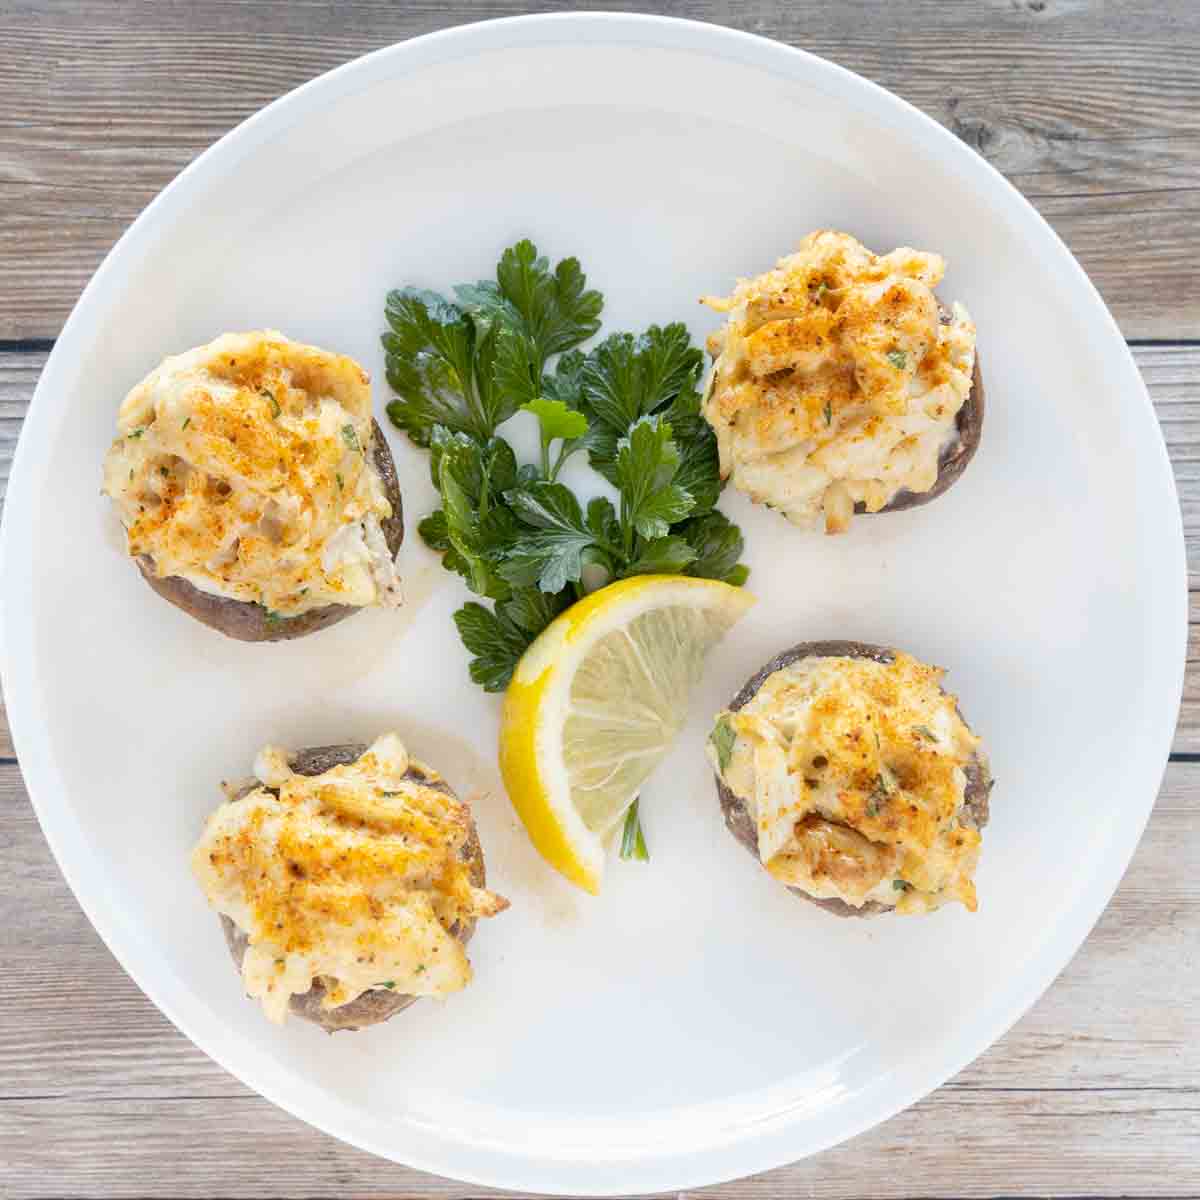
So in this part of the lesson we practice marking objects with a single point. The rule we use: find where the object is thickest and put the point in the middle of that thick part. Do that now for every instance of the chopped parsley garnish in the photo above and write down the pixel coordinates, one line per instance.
(391, 983)
(270, 395)
(136, 433)
(523, 541)
(350, 437)
(901, 885)
(723, 738)
(340, 481)
(420, 968)
(186, 422)
(633, 843)
(274, 618)
(898, 359)
(925, 732)
(828, 412)
(885, 785)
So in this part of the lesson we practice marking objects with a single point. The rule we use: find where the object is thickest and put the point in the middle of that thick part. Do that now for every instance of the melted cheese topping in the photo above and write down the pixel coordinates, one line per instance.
(245, 466)
(353, 878)
(855, 772)
(835, 380)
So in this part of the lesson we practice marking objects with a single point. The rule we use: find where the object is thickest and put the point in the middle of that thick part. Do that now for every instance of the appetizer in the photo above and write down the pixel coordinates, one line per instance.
(848, 772)
(841, 385)
(256, 491)
(348, 880)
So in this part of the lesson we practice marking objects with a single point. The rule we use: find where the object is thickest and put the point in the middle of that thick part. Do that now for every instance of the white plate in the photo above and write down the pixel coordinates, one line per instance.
(694, 1023)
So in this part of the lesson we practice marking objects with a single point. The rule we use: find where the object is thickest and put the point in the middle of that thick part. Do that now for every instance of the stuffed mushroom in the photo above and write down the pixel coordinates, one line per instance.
(348, 880)
(852, 778)
(256, 490)
(842, 385)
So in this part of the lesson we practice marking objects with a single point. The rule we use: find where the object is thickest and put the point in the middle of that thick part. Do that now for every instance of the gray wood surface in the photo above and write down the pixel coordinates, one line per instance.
(1092, 107)
(1089, 106)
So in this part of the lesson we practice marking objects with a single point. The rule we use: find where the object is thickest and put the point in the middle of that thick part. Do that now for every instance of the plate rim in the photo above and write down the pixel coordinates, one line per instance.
(490, 1165)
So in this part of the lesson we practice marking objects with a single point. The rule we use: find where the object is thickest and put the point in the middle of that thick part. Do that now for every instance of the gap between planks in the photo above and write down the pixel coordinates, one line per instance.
(101, 1090)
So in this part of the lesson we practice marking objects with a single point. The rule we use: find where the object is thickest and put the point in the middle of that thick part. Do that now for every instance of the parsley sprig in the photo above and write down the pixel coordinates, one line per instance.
(519, 536)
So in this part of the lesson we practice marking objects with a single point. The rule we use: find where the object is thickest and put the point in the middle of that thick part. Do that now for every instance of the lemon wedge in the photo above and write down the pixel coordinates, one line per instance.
(596, 702)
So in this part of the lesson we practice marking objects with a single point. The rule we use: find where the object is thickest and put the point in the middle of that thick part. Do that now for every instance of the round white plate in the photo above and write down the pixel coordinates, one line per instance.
(694, 1023)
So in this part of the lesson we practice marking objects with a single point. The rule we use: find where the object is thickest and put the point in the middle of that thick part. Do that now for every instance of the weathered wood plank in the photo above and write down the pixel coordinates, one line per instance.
(954, 1144)
(1096, 1083)
(1069, 97)
(1172, 375)
(18, 377)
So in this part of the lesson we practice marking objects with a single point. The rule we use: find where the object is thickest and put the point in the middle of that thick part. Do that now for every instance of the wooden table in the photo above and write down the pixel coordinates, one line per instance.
(1092, 108)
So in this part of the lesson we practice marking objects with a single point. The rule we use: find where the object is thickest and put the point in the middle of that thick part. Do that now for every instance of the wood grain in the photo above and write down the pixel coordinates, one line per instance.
(954, 1144)
(1172, 375)
(1090, 107)
(1094, 1082)
(18, 377)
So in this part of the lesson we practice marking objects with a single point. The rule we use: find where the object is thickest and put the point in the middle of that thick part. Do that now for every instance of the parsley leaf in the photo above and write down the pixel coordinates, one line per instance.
(699, 472)
(434, 531)
(495, 641)
(723, 738)
(627, 377)
(633, 841)
(498, 639)
(552, 311)
(662, 556)
(553, 540)
(646, 464)
(484, 469)
(566, 384)
(718, 544)
(556, 422)
(556, 419)
(898, 359)
(531, 610)
(518, 367)
(472, 523)
(441, 365)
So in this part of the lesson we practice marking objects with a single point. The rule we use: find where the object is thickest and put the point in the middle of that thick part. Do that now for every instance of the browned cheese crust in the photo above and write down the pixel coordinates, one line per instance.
(378, 1004)
(740, 823)
(248, 622)
(953, 460)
